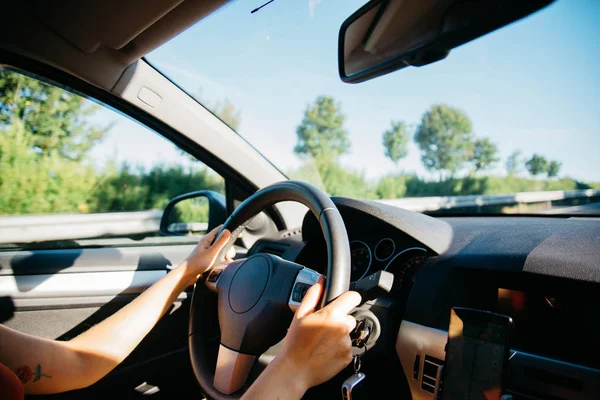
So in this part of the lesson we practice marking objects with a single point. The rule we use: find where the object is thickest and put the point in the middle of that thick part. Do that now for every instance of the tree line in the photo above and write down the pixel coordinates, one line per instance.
(447, 146)
(45, 166)
(47, 136)
(444, 137)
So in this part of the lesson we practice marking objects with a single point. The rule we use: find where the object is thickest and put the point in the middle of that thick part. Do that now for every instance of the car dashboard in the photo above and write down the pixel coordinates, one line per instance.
(373, 246)
(542, 272)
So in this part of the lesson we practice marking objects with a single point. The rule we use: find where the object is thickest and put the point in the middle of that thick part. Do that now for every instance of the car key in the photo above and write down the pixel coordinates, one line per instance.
(351, 385)
(360, 334)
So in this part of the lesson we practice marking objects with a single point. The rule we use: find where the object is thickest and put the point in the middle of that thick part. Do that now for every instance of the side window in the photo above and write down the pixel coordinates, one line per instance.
(73, 169)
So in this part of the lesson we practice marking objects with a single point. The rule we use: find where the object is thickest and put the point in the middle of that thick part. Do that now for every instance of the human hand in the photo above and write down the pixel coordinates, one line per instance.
(206, 252)
(318, 345)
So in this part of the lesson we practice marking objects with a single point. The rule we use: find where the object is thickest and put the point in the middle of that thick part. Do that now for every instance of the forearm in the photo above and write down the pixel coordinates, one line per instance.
(279, 381)
(42, 365)
(50, 366)
(104, 346)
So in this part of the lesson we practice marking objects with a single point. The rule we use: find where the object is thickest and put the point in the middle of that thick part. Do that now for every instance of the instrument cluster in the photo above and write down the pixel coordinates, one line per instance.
(372, 254)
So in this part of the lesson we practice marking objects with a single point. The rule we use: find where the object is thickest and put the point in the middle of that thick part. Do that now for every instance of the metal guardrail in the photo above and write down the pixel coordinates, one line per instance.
(36, 228)
(423, 204)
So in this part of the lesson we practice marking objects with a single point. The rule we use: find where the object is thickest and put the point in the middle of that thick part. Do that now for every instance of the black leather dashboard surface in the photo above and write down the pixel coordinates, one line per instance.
(565, 248)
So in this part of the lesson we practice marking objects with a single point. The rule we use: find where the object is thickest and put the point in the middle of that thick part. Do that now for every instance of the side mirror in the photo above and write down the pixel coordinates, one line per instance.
(193, 213)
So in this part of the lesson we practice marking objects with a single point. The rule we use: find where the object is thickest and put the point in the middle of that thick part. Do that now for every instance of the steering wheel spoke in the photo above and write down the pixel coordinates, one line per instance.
(212, 280)
(232, 370)
(304, 280)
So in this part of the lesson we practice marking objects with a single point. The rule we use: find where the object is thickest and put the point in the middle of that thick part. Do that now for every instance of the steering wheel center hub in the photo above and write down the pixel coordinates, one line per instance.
(249, 283)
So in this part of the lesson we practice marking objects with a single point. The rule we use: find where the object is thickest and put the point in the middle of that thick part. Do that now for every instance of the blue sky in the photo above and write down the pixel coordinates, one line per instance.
(533, 86)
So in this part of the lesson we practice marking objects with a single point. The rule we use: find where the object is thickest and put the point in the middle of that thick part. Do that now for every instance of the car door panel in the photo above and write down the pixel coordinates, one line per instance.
(67, 283)
(58, 294)
(99, 259)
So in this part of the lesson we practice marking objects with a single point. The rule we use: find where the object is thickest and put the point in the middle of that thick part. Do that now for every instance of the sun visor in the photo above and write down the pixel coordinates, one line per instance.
(130, 28)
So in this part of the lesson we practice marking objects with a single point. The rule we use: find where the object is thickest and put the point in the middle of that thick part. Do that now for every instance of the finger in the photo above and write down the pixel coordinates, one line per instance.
(350, 321)
(230, 254)
(210, 236)
(221, 241)
(344, 303)
(311, 299)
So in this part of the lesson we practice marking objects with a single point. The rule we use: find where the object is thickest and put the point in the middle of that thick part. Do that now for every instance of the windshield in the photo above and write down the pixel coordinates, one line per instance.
(514, 111)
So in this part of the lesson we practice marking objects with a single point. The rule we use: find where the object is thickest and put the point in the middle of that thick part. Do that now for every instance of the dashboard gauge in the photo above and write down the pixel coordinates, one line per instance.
(402, 256)
(384, 249)
(361, 259)
(405, 268)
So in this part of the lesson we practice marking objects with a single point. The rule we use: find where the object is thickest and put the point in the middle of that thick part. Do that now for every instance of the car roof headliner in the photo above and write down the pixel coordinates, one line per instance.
(96, 40)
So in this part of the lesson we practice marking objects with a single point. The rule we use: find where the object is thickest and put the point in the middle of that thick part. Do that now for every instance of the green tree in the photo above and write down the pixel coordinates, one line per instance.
(554, 168)
(321, 133)
(445, 139)
(130, 188)
(228, 113)
(190, 211)
(485, 154)
(57, 120)
(335, 179)
(339, 181)
(32, 183)
(537, 164)
(224, 110)
(514, 163)
(391, 187)
(395, 141)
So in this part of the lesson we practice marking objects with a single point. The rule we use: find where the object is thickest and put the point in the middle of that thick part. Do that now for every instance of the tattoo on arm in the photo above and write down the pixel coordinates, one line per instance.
(25, 374)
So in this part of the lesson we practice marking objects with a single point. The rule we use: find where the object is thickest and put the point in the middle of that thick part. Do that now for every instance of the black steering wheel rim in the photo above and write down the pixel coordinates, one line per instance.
(338, 262)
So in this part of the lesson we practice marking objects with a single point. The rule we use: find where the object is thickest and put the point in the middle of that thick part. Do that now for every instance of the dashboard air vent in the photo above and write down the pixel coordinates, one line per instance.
(431, 369)
(416, 367)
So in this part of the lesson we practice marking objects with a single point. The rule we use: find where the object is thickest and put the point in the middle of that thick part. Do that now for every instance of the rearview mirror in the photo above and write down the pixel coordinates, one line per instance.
(193, 213)
(386, 35)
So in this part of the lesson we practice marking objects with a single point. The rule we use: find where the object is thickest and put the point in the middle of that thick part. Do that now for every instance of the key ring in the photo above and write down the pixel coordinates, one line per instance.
(357, 363)
(357, 360)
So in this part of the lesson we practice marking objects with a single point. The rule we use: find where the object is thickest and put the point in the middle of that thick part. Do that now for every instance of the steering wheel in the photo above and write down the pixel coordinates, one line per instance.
(257, 296)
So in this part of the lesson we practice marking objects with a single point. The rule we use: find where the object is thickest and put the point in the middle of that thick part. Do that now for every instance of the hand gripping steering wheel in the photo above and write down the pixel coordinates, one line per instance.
(257, 296)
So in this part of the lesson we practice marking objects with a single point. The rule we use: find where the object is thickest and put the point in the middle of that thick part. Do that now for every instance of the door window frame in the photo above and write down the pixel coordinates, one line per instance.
(56, 77)
(237, 187)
